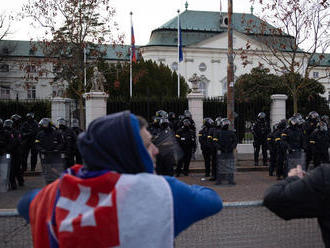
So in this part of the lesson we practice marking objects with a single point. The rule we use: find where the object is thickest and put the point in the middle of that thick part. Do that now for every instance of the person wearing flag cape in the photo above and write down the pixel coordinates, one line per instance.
(114, 199)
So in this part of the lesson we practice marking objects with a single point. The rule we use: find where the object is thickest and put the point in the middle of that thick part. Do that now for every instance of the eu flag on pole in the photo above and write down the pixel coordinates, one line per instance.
(180, 44)
(133, 45)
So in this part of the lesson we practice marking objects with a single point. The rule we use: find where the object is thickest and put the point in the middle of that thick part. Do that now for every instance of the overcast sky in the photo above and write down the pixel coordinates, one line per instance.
(147, 15)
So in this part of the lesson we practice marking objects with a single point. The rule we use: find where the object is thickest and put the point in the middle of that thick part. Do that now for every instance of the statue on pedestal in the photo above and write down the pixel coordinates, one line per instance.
(195, 80)
(97, 81)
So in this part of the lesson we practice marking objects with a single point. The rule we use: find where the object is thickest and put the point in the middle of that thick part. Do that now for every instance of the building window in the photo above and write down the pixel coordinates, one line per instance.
(31, 92)
(202, 67)
(4, 68)
(4, 93)
(315, 74)
(203, 88)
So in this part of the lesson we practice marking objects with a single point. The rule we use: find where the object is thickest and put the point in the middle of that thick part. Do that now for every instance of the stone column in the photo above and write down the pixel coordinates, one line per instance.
(96, 105)
(195, 104)
(61, 108)
(277, 108)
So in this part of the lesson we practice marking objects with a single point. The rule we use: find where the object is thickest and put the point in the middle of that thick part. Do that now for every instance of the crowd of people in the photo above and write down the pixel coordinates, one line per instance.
(20, 137)
(292, 142)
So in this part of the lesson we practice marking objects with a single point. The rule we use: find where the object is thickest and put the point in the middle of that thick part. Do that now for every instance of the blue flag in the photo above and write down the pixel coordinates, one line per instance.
(180, 44)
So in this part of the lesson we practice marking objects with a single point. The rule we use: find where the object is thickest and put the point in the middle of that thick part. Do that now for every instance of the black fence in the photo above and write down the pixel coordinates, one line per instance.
(40, 108)
(147, 107)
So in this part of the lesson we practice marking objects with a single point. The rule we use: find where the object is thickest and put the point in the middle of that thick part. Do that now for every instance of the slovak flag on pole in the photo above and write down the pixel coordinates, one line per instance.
(133, 44)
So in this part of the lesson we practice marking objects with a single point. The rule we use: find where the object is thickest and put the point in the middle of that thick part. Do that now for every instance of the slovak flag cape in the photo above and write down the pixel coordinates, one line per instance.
(109, 210)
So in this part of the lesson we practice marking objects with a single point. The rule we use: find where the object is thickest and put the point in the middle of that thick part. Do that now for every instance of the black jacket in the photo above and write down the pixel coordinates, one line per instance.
(303, 198)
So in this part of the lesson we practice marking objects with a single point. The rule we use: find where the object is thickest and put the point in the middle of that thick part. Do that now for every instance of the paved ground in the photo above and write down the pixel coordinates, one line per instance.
(251, 184)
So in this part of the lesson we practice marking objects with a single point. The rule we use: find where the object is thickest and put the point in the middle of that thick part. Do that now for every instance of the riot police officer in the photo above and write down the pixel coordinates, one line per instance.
(203, 136)
(294, 139)
(13, 139)
(76, 130)
(272, 150)
(69, 141)
(29, 131)
(212, 140)
(320, 144)
(226, 143)
(280, 149)
(187, 141)
(173, 121)
(308, 127)
(165, 159)
(260, 131)
(154, 127)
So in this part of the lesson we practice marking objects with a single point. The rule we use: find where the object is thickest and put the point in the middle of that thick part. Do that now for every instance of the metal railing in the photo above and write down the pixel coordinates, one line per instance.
(239, 224)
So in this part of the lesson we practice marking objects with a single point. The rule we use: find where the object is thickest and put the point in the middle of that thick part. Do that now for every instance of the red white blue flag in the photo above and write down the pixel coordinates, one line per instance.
(133, 45)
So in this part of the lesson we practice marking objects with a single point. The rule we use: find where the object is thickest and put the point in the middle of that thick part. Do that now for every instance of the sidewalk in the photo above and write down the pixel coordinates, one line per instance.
(251, 183)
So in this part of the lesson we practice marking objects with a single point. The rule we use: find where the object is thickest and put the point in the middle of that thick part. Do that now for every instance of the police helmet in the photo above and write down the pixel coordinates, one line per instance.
(162, 114)
(275, 126)
(322, 126)
(225, 123)
(44, 122)
(293, 121)
(30, 115)
(15, 117)
(313, 115)
(8, 123)
(61, 122)
(75, 122)
(164, 122)
(186, 123)
(208, 122)
(187, 113)
(218, 121)
(298, 116)
(282, 124)
(261, 116)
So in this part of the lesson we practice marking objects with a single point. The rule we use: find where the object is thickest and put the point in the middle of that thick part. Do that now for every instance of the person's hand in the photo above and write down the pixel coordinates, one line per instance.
(299, 172)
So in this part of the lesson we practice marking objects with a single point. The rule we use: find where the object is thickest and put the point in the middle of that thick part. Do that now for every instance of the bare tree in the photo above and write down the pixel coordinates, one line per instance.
(295, 37)
(72, 27)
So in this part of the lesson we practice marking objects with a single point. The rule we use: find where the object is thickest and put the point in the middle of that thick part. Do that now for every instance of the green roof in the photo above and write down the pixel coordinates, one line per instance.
(200, 25)
(320, 59)
(20, 48)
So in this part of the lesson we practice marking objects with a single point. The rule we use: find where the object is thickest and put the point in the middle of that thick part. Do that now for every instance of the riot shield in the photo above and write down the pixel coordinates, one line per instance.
(4, 172)
(53, 164)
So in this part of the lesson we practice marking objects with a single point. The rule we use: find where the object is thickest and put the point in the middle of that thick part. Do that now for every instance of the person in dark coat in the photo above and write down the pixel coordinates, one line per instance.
(281, 150)
(320, 141)
(303, 195)
(308, 128)
(29, 130)
(203, 137)
(69, 141)
(272, 150)
(260, 131)
(187, 141)
(76, 130)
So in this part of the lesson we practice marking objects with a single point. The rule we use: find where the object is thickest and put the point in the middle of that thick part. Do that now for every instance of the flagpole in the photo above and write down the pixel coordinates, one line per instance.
(178, 54)
(130, 62)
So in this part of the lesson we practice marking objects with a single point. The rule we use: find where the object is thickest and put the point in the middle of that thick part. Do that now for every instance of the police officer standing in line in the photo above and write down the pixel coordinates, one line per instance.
(29, 131)
(320, 144)
(154, 127)
(203, 136)
(13, 138)
(272, 150)
(187, 141)
(280, 149)
(69, 142)
(260, 131)
(294, 139)
(173, 121)
(226, 143)
(308, 127)
(212, 140)
(76, 130)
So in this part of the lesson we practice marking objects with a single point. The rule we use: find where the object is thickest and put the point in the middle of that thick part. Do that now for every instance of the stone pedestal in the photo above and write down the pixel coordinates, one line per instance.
(277, 108)
(61, 108)
(96, 105)
(195, 104)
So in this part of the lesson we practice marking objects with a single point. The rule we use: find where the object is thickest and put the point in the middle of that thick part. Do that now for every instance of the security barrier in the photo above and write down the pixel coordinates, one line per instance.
(239, 224)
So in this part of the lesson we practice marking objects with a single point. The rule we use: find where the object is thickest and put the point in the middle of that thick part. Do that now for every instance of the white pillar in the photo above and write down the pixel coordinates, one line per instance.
(277, 108)
(96, 105)
(195, 105)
